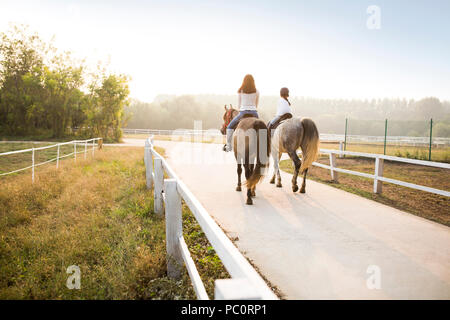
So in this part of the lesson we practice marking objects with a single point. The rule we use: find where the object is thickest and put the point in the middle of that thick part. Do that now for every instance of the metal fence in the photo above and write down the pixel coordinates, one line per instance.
(86, 145)
(246, 283)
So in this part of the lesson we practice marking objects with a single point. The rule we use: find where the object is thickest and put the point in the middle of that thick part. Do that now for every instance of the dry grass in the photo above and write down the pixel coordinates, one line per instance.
(423, 204)
(96, 215)
(99, 216)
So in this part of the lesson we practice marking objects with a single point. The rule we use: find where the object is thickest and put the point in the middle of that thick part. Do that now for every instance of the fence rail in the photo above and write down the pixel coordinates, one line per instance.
(377, 177)
(168, 194)
(396, 140)
(83, 143)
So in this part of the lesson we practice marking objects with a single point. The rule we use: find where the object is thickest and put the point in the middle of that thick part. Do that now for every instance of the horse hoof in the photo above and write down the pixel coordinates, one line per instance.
(249, 201)
(279, 185)
(238, 188)
(294, 188)
(302, 190)
(253, 194)
(272, 181)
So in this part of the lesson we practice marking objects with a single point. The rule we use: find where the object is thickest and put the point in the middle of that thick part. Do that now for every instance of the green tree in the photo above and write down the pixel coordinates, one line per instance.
(107, 106)
(21, 75)
(42, 90)
(62, 86)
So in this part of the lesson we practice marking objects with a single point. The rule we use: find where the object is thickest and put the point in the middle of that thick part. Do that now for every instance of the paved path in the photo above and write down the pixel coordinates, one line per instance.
(319, 245)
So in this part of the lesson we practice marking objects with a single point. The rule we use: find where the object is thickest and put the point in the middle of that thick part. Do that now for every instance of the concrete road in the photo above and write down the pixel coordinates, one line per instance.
(325, 244)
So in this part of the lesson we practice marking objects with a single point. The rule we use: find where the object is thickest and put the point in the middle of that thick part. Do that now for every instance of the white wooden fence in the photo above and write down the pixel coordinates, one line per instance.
(377, 177)
(392, 140)
(88, 145)
(168, 194)
(209, 133)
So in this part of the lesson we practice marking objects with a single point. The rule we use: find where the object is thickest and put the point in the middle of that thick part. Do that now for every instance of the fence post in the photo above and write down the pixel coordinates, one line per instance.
(377, 185)
(57, 157)
(75, 150)
(235, 289)
(93, 147)
(431, 138)
(158, 186)
(173, 228)
(345, 136)
(145, 158)
(148, 164)
(385, 135)
(32, 165)
(85, 149)
(334, 174)
(341, 148)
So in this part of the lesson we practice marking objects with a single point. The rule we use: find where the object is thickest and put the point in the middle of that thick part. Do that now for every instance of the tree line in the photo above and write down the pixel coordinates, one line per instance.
(44, 92)
(366, 117)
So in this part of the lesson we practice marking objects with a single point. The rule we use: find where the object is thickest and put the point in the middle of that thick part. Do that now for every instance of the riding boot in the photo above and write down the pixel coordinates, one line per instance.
(228, 146)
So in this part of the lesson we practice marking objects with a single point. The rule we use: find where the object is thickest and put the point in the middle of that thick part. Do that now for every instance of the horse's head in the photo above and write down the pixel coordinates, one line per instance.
(227, 117)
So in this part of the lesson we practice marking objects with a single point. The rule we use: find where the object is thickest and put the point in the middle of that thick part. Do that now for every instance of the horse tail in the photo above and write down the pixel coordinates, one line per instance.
(261, 166)
(310, 143)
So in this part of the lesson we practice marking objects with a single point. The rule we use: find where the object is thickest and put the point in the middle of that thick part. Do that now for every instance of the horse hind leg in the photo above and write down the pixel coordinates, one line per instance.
(253, 190)
(249, 190)
(303, 188)
(274, 155)
(277, 170)
(239, 172)
(293, 155)
(272, 181)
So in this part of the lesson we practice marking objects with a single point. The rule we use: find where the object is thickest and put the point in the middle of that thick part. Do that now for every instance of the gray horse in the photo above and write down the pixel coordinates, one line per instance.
(290, 135)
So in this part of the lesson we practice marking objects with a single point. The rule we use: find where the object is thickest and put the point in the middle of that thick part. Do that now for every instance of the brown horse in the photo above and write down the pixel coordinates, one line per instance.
(251, 146)
(290, 135)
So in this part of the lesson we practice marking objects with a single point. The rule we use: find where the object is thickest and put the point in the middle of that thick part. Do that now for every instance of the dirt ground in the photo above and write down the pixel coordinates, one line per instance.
(424, 204)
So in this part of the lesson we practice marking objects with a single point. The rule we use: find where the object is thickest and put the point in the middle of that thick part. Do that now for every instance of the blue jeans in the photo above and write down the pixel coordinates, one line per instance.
(232, 125)
(234, 122)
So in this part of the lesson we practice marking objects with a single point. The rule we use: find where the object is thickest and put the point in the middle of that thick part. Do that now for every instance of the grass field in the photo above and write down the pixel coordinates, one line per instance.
(96, 214)
(420, 203)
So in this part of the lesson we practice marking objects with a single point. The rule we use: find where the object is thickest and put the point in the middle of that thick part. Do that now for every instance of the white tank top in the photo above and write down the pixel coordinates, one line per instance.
(247, 101)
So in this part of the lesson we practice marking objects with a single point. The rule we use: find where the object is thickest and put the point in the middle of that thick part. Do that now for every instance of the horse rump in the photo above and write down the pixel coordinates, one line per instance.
(262, 150)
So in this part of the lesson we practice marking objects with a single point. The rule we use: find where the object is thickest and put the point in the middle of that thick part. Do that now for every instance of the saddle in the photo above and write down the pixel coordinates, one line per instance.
(275, 124)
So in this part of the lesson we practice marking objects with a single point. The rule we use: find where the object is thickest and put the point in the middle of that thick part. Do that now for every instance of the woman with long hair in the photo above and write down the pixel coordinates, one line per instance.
(248, 98)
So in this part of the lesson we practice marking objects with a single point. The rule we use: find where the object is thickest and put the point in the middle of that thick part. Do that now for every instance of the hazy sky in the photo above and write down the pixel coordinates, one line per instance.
(316, 48)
